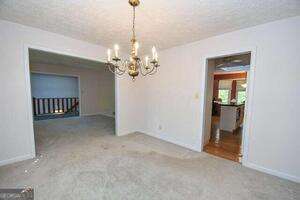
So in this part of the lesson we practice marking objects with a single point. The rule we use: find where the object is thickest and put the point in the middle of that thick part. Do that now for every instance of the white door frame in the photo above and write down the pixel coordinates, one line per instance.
(26, 48)
(249, 100)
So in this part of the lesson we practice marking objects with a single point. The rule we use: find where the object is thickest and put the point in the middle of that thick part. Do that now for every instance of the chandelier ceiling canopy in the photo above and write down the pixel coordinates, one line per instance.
(135, 65)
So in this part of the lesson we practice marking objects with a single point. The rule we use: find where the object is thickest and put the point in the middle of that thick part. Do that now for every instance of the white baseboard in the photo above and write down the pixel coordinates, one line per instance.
(188, 146)
(272, 172)
(98, 113)
(125, 133)
(16, 159)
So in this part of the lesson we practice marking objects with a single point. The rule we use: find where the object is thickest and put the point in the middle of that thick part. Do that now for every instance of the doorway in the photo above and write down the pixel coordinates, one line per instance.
(226, 97)
(74, 87)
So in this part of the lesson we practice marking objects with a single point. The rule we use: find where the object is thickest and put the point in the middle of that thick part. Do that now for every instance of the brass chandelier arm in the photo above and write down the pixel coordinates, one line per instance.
(147, 70)
(153, 71)
(109, 66)
(144, 74)
(141, 67)
(121, 68)
(120, 65)
(115, 70)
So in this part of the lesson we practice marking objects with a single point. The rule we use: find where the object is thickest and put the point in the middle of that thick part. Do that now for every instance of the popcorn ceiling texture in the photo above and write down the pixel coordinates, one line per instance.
(159, 22)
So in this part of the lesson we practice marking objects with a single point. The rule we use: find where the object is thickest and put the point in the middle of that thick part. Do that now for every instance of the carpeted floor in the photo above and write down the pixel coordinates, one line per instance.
(80, 158)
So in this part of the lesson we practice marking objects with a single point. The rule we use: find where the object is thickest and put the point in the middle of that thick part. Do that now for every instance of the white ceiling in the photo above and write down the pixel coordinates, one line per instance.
(230, 66)
(164, 23)
(43, 57)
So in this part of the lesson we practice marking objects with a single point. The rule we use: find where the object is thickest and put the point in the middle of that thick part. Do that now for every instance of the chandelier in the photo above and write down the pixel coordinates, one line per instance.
(135, 64)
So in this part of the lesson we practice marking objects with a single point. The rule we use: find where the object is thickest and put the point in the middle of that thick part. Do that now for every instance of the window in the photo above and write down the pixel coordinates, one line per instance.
(224, 95)
(241, 96)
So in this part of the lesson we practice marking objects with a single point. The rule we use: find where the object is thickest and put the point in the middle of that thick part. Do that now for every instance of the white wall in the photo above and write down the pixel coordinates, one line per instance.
(170, 99)
(16, 130)
(127, 107)
(52, 86)
(96, 87)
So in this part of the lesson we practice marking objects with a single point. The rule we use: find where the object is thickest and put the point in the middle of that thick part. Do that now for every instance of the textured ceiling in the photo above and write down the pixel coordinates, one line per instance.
(43, 57)
(232, 64)
(164, 23)
(243, 58)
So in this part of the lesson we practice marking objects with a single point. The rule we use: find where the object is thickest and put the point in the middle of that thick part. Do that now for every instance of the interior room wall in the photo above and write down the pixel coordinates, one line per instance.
(171, 98)
(96, 87)
(17, 142)
(129, 110)
(53, 86)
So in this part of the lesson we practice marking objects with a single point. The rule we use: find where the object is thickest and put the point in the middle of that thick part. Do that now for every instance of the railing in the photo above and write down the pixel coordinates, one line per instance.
(45, 106)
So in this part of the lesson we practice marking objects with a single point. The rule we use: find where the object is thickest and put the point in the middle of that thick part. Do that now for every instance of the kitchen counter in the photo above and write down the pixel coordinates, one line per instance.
(231, 117)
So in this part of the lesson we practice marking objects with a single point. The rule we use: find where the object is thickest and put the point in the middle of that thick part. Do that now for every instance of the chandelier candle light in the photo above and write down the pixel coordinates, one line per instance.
(134, 65)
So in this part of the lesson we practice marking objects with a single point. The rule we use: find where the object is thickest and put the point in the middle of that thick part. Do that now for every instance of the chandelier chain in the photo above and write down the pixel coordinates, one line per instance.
(133, 23)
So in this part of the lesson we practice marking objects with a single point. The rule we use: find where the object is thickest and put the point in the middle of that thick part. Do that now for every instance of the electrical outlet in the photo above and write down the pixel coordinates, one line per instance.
(159, 127)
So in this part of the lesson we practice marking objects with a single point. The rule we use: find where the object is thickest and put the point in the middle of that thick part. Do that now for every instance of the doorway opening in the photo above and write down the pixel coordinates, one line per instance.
(70, 96)
(225, 104)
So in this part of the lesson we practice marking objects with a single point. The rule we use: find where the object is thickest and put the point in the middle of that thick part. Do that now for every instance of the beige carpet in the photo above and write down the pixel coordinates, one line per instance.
(80, 158)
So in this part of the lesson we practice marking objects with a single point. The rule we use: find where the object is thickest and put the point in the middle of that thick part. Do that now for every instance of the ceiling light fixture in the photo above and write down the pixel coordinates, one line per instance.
(134, 65)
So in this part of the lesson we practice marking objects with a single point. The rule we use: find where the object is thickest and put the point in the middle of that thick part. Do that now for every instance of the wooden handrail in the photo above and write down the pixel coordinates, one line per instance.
(73, 107)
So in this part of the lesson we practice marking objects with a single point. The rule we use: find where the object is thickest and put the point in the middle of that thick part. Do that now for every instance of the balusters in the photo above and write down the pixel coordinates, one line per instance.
(57, 102)
(68, 103)
(48, 102)
(62, 105)
(38, 108)
(75, 104)
(34, 106)
(43, 106)
(53, 105)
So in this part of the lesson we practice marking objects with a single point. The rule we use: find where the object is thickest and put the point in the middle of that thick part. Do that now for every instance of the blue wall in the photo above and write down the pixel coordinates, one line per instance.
(47, 86)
